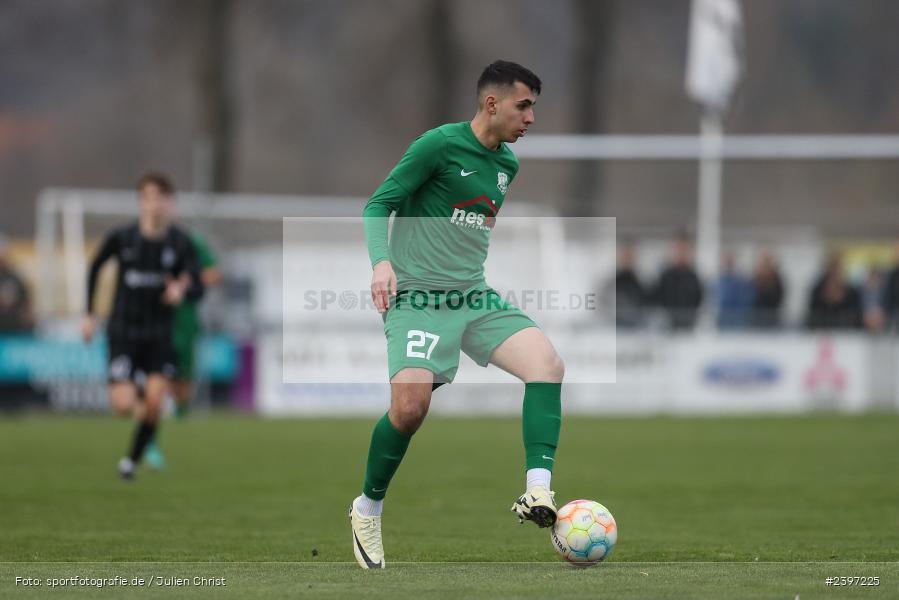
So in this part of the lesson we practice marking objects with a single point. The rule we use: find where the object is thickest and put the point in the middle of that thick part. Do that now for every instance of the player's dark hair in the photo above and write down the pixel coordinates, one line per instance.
(159, 180)
(505, 73)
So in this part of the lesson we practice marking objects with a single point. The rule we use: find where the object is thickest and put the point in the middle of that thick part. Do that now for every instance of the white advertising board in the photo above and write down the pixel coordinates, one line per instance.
(732, 374)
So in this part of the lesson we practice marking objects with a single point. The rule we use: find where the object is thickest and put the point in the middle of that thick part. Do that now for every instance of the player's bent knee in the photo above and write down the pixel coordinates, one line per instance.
(122, 409)
(152, 409)
(550, 369)
(556, 369)
(154, 398)
(408, 413)
(411, 416)
(410, 421)
(122, 400)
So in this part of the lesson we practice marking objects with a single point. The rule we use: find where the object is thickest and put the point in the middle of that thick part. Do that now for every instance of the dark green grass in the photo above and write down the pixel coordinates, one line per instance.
(734, 499)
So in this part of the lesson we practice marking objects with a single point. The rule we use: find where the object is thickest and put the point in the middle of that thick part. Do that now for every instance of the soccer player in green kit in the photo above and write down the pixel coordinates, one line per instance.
(428, 283)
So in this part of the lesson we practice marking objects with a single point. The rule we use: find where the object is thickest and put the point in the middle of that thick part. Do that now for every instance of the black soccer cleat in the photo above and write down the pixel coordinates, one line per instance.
(536, 505)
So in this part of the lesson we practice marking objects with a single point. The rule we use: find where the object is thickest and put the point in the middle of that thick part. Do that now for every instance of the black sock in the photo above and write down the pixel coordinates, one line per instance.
(143, 435)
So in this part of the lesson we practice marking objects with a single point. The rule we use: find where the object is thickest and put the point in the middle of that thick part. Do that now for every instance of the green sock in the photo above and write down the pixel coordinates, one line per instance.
(181, 409)
(388, 446)
(541, 420)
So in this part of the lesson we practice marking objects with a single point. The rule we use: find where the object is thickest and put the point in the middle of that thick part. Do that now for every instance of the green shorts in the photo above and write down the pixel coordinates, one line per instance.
(184, 344)
(428, 329)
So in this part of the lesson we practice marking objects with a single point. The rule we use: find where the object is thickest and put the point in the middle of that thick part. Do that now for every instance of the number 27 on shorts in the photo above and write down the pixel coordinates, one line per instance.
(417, 341)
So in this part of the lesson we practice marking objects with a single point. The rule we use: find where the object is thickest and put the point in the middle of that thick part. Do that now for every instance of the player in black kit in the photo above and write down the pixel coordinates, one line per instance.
(158, 268)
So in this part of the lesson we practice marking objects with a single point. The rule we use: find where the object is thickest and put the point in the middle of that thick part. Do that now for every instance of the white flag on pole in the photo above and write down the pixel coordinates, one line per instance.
(713, 61)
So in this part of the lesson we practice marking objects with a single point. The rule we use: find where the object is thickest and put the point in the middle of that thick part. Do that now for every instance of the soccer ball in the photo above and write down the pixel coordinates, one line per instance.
(585, 532)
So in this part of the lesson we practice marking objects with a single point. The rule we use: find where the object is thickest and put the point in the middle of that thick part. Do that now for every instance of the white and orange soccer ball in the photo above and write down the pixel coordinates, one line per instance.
(585, 532)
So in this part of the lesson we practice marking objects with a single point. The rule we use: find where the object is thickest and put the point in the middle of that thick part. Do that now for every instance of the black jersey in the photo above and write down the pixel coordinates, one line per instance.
(139, 313)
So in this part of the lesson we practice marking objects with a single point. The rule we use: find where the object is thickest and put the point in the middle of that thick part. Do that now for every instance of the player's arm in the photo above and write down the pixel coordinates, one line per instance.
(211, 276)
(108, 249)
(184, 281)
(210, 273)
(418, 164)
(375, 217)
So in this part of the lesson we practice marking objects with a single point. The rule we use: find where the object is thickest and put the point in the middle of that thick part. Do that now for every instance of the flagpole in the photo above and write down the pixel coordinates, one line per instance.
(713, 68)
(708, 217)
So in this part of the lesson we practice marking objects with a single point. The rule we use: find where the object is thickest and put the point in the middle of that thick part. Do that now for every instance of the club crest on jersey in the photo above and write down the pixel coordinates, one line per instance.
(502, 182)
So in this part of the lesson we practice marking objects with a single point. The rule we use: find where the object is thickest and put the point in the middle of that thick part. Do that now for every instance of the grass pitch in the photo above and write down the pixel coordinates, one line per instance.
(706, 508)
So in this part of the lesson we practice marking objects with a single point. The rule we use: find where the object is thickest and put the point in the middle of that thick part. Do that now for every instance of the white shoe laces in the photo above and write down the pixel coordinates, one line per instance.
(370, 532)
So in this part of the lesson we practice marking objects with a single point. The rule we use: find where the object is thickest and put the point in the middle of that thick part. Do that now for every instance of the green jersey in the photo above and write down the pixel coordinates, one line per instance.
(446, 192)
(187, 318)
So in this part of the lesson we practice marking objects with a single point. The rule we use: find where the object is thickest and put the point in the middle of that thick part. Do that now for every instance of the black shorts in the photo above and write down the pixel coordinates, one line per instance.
(134, 360)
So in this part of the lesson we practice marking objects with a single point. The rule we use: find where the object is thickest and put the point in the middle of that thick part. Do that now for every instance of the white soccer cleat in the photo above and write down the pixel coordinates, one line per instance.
(126, 469)
(536, 505)
(367, 544)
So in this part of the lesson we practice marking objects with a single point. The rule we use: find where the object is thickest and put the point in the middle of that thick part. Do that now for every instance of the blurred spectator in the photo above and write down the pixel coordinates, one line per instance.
(834, 304)
(768, 293)
(735, 295)
(15, 310)
(678, 291)
(631, 296)
(872, 301)
(891, 296)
